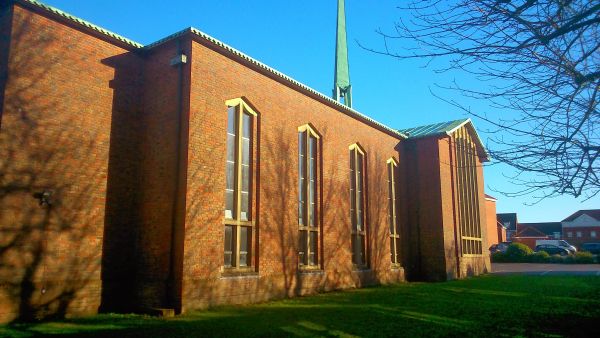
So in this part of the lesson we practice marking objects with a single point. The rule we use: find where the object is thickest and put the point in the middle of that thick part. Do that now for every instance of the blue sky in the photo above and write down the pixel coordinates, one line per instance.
(298, 39)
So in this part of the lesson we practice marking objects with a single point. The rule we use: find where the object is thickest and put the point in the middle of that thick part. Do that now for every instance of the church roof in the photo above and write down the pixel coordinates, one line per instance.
(435, 129)
(438, 129)
(446, 129)
(80, 21)
(226, 48)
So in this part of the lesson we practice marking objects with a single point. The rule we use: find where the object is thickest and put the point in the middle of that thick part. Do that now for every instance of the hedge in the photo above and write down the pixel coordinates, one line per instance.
(521, 253)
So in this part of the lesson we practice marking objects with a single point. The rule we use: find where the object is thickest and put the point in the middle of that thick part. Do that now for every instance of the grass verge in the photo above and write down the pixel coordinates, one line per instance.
(514, 305)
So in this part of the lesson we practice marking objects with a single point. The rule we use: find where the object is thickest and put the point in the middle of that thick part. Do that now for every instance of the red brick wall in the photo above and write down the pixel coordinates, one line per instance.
(529, 241)
(133, 151)
(55, 136)
(430, 220)
(585, 235)
(491, 223)
(501, 234)
(425, 258)
(5, 29)
(215, 79)
(159, 178)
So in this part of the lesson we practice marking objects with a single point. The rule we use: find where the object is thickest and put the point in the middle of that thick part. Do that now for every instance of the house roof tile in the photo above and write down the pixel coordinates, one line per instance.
(548, 228)
(594, 213)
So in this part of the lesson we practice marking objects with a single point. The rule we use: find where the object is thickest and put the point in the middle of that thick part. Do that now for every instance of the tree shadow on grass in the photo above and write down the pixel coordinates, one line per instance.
(398, 310)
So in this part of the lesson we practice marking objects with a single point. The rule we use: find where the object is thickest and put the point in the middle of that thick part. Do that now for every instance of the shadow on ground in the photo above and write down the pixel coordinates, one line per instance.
(489, 305)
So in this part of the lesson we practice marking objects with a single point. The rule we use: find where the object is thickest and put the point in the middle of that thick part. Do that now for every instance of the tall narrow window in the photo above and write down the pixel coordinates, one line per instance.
(392, 219)
(308, 218)
(357, 206)
(239, 225)
(468, 194)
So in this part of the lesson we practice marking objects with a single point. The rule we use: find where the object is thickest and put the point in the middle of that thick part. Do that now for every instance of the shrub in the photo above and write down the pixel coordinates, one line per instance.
(556, 259)
(518, 252)
(583, 257)
(498, 257)
(539, 257)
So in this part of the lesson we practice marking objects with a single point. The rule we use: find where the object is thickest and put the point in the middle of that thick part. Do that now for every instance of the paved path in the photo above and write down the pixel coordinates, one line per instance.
(546, 269)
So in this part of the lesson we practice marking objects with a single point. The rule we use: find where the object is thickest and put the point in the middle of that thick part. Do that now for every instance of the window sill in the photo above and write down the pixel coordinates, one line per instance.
(361, 269)
(228, 273)
(310, 271)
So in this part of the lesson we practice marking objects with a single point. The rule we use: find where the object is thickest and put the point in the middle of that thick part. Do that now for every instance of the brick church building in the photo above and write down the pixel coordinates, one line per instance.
(184, 174)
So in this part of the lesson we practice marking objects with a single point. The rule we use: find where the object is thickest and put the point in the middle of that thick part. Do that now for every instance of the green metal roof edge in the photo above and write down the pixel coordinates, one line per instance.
(454, 124)
(220, 44)
(80, 21)
(293, 81)
(275, 72)
(461, 123)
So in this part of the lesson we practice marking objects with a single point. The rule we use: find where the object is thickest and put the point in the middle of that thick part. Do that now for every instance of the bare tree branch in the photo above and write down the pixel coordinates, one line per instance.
(540, 61)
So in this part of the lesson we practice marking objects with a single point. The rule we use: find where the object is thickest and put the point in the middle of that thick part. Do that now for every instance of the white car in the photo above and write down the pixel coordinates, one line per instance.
(556, 242)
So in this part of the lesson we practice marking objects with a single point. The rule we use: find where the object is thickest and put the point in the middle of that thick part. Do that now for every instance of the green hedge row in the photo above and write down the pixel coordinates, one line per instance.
(521, 253)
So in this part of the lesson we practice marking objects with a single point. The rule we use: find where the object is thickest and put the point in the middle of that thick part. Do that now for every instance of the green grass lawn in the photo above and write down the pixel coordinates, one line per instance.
(545, 306)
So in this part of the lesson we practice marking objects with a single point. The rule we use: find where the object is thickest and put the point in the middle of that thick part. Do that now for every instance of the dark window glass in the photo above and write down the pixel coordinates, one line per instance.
(312, 258)
(230, 167)
(229, 245)
(301, 178)
(353, 188)
(392, 250)
(245, 245)
(302, 248)
(245, 193)
(312, 180)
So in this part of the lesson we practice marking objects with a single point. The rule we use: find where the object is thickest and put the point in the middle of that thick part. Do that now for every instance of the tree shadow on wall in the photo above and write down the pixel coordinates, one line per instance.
(378, 221)
(204, 231)
(280, 222)
(48, 181)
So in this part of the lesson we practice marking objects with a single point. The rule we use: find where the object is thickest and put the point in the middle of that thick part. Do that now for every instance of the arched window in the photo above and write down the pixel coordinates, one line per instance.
(309, 152)
(392, 167)
(357, 206)
(239, 224)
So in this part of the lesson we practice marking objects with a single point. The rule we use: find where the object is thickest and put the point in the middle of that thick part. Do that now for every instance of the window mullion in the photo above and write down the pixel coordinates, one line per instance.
(238, 192)
(393, 200)
(358, 191)
(238, 164)
(356, 206)
(306, 183)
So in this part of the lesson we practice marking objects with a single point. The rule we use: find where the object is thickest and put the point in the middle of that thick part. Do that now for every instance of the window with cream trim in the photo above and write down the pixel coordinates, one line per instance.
(392, 167)
(357, 206)
(308, 197)
(240, 232)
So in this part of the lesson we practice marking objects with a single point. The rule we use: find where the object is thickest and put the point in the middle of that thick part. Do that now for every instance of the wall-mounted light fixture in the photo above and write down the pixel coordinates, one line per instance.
(43, 197)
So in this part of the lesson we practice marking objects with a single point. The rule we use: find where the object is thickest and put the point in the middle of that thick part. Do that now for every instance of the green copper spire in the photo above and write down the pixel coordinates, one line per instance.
(341, 86)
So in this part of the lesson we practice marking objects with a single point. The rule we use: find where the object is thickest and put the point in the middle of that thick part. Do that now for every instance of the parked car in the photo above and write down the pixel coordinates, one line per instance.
(500, 247)
(557, 242)
(552, 249)
(591, 247)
